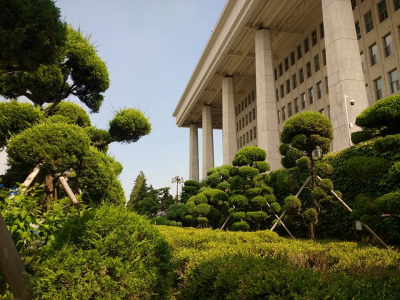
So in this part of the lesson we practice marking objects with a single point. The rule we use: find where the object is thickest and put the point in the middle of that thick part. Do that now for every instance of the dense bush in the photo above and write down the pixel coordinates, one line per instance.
(260, 265)
(73, 112)
(107, 253)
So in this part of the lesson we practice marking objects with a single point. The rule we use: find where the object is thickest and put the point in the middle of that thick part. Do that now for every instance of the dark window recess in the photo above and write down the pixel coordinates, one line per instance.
(383, 13)
(358, 30)
(301, 75)
(299, 53)
(369, 22)
(374, 54)
(314, 38)
(306, 45)
(316, 63)
(287, 86)
(396, 4)
(276, 74)
(309, 70)
(286, 64)
(353, 4)
(292, 58)
(324, 57)
(280, 70)
(321, 31)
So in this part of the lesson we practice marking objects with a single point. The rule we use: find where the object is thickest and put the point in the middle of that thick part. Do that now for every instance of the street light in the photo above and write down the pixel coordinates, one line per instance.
(178, 180)
(347, 116)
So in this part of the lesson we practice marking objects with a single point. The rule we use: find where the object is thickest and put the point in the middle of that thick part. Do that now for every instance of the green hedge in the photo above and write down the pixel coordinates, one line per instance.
(212, 264)
(335, 222)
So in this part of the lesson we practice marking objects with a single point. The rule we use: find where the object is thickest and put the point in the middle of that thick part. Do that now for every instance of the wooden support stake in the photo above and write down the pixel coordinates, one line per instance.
(30, 178)
(12, 266)
(365, 225)
(284, 212)
(226, 221)
(68, 191)
(284, 226)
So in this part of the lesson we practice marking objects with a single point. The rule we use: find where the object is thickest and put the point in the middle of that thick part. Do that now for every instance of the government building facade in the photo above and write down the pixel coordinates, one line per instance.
(267, 60)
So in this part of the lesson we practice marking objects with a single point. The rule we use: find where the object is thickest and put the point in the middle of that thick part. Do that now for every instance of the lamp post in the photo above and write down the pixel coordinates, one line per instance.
(178, 180)
(347, 115)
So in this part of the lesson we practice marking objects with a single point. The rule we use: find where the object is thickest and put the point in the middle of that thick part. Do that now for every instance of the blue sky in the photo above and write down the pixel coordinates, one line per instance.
(151, 48)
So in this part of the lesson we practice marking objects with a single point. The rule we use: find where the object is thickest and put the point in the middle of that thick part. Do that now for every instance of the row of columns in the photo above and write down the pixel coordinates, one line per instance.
(345, 78)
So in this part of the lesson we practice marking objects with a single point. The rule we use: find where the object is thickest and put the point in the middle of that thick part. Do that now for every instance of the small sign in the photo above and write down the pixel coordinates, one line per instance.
(358, 225)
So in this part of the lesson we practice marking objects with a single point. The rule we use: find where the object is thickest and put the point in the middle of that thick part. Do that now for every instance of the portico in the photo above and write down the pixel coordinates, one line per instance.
(248, 80)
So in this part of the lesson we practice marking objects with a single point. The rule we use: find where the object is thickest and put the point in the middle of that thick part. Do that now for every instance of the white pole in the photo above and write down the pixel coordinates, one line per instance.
(347, 116)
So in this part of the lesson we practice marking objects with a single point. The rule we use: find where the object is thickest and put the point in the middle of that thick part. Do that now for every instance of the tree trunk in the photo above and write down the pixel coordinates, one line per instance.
(11, 265)
(69, 191)
(312, 231)
(49, 189)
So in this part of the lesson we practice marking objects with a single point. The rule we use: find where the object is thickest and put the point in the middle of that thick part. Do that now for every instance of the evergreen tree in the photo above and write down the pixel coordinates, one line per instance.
(139, 192)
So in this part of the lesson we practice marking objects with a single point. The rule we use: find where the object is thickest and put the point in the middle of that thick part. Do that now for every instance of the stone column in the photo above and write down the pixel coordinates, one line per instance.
(208, 143)
(267, 116)
(345, 75)
(228, 121)
(194, 153)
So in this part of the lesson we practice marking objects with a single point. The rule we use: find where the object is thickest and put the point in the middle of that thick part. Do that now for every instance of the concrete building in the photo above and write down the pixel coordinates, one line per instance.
(267, 60)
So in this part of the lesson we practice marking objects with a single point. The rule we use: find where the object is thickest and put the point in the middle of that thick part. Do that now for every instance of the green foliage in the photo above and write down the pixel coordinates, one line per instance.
(362, 167)
(148, 207)
(241, 226)
(326, 185)
(16, 117)
(107, 253)
(323, 169)
(257, 216)
(306, 131)
(261, 166)
(248, 155)
(73, 112)
(189, 189)
(292, 204)
(303, 163)
(202, 209)
(129, 125)
(389, 203)
(213, 180)
(258, 202)
(65, 147)
(159, 221)
(387, 143)
(286, 183)
(394, 172)
(138, 192)
(237, 215)
(275, 207)
(248, 172)
(212, 264)
(311, 215)
(362, 136)
(31, 33)
(239, 201)
(384, 114)
(224, 186)
(318, 194)
(97, 176)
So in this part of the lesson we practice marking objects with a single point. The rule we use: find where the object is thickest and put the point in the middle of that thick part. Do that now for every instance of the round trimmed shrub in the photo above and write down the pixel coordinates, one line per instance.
(303, 163)
(323, 169)
(318, 194)
(106, 253)
(363, 168)
(248, 155)
(387, 143)
(240, 226)
(73, 112)
(275, 207)
(224, 186)
(326, 185)
(389, 203)
(262, 166)
(238, 215)
(311, 215)
(248, 172)
(283, 149)
(213, 180)
(361, 136)
(292, 204)
(258, 202)
(202, 220)
(192, 183)
(239, 201)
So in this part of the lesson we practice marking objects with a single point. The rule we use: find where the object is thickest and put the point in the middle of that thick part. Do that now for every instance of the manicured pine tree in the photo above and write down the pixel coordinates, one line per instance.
(139, 192)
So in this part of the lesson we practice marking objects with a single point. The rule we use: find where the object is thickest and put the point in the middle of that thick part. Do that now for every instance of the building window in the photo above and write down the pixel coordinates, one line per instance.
(253, 93)
(374, 54)
(240, 142)
(379, 88)
(369, 22)
(240, 125)
(251, 134)
(243, 122)
(247, 137)
(237, 127)
(247, 120)
(294, 81)
(306, 45)
(299, 53)
(236, 111)
(282, 91)
(255, 132)
(303, 100)
(324, 57)
(394, 81)
(314, 38)
(286, 64)
(396, 4)
(276, 74)
(353, 4)
(292, 58)
(358, 30)
(296, 105)
(242, 105)
(254, 113)
(326, 85)
(311, 95)
(289, 108)
(276, 95)
(316, 63)
(322, 111)
(301, 75)
(321, 31)
(309, 70)
(279, 116)
(287, 86)
(362, 61)
(283, 113)
(280, 70)
(319, 90)
(383, 14)
(250, 116)
(388, 44)
(245, 102)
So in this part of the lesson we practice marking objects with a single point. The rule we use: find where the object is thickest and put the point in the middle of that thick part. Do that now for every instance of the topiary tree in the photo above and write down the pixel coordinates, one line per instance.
(31, 34)
(190, 188)
(302, 135)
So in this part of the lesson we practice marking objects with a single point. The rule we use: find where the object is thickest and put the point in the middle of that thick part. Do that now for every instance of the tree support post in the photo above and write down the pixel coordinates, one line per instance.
(284, 212)
(365, 225)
